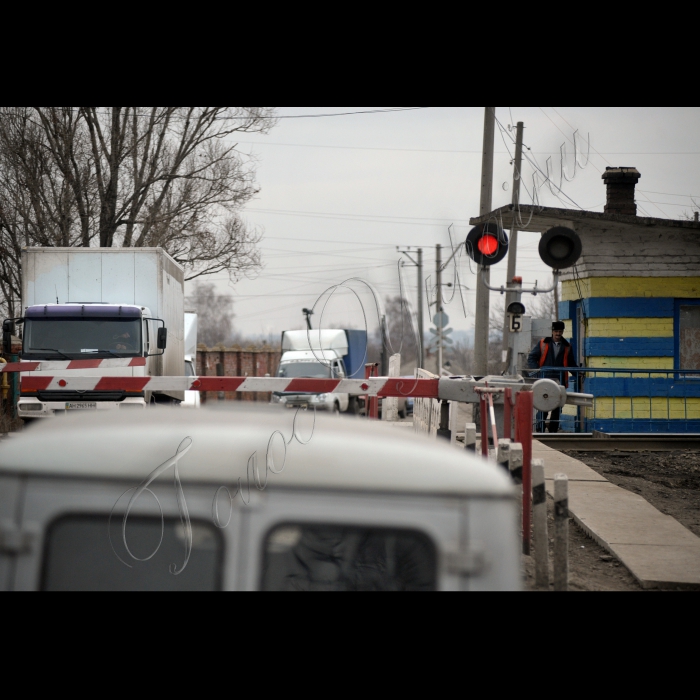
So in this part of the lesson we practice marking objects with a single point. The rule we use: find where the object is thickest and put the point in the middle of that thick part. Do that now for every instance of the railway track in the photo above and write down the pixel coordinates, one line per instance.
(619, 442)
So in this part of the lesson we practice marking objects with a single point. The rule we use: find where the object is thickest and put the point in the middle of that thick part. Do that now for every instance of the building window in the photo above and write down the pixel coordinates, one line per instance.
(689, 336)
(333, 558)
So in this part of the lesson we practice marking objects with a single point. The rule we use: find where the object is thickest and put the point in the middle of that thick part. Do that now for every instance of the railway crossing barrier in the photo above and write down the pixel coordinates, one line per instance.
(520, 399)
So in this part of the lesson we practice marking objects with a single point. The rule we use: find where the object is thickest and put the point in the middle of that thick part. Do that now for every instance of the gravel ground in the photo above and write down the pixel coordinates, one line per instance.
(591, 568)
(670, 481)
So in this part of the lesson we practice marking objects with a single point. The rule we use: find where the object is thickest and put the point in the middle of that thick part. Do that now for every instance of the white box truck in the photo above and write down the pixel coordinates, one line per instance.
(100, 304)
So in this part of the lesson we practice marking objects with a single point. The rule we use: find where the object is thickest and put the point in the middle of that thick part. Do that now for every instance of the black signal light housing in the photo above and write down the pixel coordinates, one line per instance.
(487, 244)
(560, 247)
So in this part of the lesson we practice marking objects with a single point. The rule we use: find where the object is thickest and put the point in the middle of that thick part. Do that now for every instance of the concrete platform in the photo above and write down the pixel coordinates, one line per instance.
(656, 548)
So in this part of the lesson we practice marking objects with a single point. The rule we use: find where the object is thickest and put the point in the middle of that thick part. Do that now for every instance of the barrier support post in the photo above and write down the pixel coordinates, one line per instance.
(539, 517)
(523, 416)
(561, 532)
(484, 426)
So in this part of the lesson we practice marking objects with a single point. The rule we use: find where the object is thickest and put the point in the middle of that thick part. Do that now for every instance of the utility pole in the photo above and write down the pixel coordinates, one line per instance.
(481, 317)
(438, 304)
(419, 264)
(513, 244)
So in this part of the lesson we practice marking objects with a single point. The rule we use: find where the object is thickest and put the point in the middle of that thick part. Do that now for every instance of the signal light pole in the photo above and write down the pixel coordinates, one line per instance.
(481, 316)
(438, 304)
(419, 264)
(513, 245)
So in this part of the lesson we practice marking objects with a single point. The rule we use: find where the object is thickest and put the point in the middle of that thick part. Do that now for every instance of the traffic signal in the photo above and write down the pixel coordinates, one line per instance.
(487, 244)
(560, 247)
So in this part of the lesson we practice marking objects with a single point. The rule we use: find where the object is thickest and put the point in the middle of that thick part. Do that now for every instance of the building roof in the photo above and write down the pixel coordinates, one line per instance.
(534, 218)
(344, 453)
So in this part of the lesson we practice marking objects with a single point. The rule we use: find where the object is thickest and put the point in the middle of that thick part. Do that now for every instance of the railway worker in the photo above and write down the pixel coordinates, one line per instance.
(552, 352)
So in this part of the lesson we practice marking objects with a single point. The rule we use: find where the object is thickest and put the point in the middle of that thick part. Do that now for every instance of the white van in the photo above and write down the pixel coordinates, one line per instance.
(241, 499)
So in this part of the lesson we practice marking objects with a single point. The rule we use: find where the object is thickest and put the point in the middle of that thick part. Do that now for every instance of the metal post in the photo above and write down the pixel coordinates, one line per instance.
(513, 244)
(523, 418)
(220, 373)
(539, 516)
(517, 283)
(481, 316)
(484, 426)
(443, 430)
(438, 305)
(561, 532)
(371, 402)
(421, 351)
(384, 355)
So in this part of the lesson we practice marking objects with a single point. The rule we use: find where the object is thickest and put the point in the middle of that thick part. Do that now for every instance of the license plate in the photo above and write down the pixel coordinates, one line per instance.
(81, 405)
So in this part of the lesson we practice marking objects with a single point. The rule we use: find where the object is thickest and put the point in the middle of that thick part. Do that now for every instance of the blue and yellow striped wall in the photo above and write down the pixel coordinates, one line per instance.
(632, 323)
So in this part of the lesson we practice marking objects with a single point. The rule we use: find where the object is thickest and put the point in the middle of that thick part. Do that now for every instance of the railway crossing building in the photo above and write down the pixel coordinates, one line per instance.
(632, 309)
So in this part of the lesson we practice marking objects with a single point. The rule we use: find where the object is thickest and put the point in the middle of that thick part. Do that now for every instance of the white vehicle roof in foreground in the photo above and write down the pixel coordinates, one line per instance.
(344, 453)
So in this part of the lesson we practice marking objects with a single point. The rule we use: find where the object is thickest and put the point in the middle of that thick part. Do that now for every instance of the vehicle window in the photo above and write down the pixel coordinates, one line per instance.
(80, 337)
(298, 370)
(78, 555)
(331, 558)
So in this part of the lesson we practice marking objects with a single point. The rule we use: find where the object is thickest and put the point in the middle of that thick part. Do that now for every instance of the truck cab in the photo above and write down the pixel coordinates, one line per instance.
(93, 332)
(319, 364)
(322, 354)
(248, 499)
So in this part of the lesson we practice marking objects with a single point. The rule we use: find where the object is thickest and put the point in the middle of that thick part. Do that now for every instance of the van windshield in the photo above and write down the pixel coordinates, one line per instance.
(306, 370)
(75, 338)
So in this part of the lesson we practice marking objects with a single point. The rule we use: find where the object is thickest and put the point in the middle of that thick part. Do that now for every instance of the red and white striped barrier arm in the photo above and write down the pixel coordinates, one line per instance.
(376, 386)
(53, 365)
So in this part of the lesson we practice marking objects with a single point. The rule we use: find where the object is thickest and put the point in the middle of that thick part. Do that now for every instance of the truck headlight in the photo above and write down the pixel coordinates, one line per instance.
(31, 407)
(321, 398)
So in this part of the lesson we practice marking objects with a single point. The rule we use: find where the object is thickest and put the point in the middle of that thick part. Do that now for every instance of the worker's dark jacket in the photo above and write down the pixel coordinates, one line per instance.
(542, 355)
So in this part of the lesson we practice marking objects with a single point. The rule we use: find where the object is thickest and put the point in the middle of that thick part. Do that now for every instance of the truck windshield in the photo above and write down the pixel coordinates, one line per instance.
(313, 370)
(52, 337)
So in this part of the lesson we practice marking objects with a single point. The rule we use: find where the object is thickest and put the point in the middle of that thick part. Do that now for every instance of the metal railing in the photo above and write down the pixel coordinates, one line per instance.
(629, 400)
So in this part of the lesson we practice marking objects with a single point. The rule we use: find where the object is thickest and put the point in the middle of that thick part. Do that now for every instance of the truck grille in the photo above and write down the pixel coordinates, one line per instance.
(83, 396)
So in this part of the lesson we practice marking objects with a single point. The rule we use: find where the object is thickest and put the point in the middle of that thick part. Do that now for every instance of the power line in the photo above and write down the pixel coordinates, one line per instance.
(457, 151)
(329, 240)
(603, 157)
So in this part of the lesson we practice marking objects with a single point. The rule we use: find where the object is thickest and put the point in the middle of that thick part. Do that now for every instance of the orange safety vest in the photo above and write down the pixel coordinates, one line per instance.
(544, 349)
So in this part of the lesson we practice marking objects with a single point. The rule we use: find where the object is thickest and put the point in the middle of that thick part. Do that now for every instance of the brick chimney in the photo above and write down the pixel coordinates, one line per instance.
(621, 183)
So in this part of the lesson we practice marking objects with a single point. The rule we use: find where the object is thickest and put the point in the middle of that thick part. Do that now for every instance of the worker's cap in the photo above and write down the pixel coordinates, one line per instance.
(558, 326)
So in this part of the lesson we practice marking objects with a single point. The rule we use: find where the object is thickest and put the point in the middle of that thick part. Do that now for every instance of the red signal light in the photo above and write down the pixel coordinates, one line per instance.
(487, 245)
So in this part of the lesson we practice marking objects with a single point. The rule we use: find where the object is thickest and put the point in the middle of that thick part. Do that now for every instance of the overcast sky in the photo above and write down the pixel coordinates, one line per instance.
(340, 193)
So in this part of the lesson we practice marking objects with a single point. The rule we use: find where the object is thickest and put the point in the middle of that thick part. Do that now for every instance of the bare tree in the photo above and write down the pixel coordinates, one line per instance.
(129, 177)
(214, 314)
